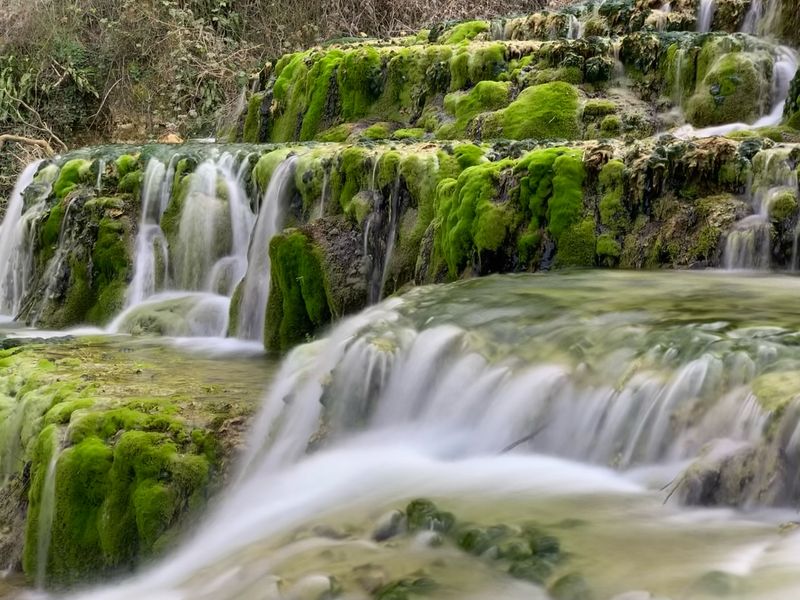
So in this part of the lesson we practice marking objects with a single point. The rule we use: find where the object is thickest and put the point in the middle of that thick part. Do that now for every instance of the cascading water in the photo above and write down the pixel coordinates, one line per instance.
(151, 252)
(46, 513)
(705, 16)
(463, 390)
(255, 288)
(748, 245)
(16, 245)
(183, 286)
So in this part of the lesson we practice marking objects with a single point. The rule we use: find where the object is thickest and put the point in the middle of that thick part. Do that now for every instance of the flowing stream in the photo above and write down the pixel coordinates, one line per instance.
(596, 404)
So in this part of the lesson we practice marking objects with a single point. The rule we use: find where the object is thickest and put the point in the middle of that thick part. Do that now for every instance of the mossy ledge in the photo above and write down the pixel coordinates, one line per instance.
(139, 439)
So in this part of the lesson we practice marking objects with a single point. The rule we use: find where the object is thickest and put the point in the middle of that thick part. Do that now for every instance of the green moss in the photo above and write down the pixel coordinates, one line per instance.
(82, 482)
(544, 111)
(378, 131)
(320, 79)
(612, 211)
(465, 31)
(252, 122)
(610, 126)
(51, 229)
(608, 250)
(339, 133)
(126, 164)
(111, 270)
(464, 106)
(599, 108)
(360, 81)
(131, 183)
(262, 172)
(783, 206)
(298, 301)
(576, 246)
(551, 190)
(470, 65)
(730, 92)
(73, 173)
(472, 218)
(414, 133)
(351, 173)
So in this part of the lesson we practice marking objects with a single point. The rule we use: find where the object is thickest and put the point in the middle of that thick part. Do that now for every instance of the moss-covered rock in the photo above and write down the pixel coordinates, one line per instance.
(117, 445)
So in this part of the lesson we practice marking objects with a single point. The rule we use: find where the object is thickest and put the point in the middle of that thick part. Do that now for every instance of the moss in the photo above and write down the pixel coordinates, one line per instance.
(551, 191)
(351, 173)
(298, 301)
(339, 133)
(378, 131)
(472, 217)
(610, 126)
(51, 229)
(730, 92)
(783, 206)
(126, 164)
(360, 81)
(464, 106)
(608, 250)
(576, 246)
(413, 133)
(265, 167)
(82, 481)
(131, 183)
(252, 122)
(470, 65)
(544, 111)
(612, 211)
(111, 270)
(465, 31)
(318, 94)
(599, 108)
(72, 174)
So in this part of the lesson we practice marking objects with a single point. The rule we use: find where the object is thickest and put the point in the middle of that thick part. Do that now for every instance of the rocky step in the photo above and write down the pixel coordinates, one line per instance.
(364, 220)
(589, 88)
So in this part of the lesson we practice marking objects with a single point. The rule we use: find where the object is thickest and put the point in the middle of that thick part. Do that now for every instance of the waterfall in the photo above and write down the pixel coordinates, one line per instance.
(748, 244)
(16, 245)
(705, 17)
(761, 20)
(469, 392)
(255, 292)
(151, 255)
(47, 508)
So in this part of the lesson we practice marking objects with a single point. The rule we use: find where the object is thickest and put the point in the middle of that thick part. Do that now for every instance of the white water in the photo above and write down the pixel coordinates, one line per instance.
(437, 415)
(705, 15)
(16, 254)
(151, 246)
(46, 514)
(748, 245)
(255, 291)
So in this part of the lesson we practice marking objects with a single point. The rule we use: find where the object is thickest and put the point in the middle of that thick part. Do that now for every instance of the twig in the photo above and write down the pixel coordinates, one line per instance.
(527, 438)
(8, 137)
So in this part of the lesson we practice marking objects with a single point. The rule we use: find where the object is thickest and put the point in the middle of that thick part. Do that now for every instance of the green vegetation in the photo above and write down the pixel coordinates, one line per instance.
(298, 300)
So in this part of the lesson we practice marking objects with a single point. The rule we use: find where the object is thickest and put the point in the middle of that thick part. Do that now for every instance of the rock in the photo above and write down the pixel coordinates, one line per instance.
(389, 525)
(312, 587)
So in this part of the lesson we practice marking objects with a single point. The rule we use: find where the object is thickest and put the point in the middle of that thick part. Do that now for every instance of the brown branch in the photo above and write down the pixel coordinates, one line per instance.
(8, 137)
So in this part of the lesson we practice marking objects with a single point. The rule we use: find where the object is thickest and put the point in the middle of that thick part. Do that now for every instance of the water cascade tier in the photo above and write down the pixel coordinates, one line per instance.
(513, 427)
(459, 414)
